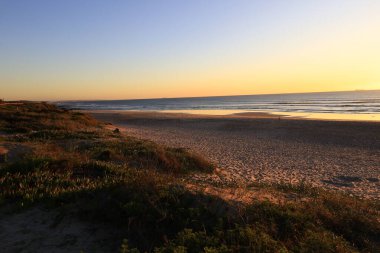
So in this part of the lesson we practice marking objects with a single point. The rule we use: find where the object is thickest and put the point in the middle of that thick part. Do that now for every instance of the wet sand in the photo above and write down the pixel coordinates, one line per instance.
(259, 147)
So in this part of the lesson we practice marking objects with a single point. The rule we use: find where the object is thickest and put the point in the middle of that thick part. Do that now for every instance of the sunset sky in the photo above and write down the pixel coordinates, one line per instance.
(119, 49)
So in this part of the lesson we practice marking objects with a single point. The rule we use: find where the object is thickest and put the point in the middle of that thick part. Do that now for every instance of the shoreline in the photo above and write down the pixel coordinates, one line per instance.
(247, 148)
(256, 114)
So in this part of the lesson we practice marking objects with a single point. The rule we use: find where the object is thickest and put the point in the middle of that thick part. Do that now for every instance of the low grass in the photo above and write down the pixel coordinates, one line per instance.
(27, 117)
(137, 187)
(148, 155)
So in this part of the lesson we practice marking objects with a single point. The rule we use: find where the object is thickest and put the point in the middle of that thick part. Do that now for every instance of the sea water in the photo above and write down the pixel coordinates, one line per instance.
(365, 104)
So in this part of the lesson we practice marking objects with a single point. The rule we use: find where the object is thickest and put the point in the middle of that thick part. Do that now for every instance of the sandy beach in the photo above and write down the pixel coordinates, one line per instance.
(259, 147)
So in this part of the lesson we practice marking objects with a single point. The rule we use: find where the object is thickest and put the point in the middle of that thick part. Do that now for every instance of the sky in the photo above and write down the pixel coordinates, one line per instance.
(120, 49)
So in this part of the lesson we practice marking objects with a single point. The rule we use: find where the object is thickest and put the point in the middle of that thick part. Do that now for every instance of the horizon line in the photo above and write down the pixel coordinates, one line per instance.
(217, 96)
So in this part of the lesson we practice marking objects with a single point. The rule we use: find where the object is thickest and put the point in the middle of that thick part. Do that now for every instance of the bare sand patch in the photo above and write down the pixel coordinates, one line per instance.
(257, 148)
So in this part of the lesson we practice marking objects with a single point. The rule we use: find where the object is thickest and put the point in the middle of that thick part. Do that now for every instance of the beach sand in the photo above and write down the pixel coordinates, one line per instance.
(265, 148)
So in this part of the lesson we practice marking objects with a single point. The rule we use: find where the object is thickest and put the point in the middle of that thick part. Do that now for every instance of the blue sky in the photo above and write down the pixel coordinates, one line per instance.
(131, 49)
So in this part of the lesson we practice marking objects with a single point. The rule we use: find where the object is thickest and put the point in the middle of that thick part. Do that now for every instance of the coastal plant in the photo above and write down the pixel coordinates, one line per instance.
(145, 154)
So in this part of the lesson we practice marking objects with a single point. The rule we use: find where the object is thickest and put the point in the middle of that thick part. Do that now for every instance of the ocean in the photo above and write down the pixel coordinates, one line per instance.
(348, 102)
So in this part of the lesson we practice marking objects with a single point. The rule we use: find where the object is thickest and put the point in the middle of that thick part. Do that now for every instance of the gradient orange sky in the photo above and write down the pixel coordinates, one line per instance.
(144, 49)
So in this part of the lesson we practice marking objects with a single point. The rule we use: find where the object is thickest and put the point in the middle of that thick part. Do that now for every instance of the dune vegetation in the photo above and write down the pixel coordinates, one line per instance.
(67, 161)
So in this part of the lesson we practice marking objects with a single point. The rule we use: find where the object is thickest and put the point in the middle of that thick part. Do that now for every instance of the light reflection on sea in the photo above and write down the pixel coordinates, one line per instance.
(323, 116)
